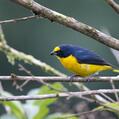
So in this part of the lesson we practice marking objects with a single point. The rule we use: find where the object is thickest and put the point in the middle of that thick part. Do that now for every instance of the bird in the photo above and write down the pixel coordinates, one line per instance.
(81, 61)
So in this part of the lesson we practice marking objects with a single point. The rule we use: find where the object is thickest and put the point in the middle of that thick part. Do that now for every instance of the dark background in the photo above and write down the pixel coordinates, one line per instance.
(38, 36)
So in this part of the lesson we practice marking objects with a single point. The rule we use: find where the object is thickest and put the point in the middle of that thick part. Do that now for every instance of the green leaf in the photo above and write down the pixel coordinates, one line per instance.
(13, 107)
(42, 105)
(30, 110)
(42, 113)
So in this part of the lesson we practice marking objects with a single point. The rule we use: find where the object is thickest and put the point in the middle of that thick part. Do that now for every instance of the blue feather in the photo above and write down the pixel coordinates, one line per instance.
(82, 55)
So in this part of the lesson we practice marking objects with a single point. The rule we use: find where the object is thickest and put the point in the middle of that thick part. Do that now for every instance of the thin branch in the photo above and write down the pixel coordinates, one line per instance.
(80, 114)
(13, 55)
(18, 19)
(113, 87)
(1, 88)
(107, 97)
(116, 54)
(69, 22)
(62, 79)
(58, 95)
(114, 5)
(48, 79)
(22, 68)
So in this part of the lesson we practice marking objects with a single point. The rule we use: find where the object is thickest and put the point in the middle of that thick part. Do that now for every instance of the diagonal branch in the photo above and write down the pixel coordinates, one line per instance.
(58, 95)
(17, 19)
(14, 55)
(69, 22)
(113, 87)
(114, 5)
(80, 114)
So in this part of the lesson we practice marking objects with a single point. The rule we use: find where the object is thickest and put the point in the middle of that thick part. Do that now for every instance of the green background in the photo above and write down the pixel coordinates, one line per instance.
(39, 36)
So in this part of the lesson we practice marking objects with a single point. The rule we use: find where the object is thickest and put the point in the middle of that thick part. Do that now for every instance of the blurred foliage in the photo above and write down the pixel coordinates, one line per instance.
(40, 109)
(13, 108)
(32, 109)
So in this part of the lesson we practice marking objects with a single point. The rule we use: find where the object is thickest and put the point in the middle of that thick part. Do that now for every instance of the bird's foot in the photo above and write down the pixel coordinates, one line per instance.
(91, 77)
(72, 77)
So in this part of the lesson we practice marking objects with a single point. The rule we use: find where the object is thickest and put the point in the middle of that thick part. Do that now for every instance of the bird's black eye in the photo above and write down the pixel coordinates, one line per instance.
(62, 54)
(59, 53)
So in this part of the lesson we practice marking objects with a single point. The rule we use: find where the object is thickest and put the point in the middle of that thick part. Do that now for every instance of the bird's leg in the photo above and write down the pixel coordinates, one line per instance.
(72, 77)
(89, 78)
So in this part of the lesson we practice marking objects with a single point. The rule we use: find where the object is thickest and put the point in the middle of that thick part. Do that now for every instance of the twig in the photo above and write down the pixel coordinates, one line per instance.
(17, 19)
(44, 82)
(13, 77)
(22, 68)
(116, 54)
(51, 79)
(107, 97)
(62, 79)
(1, 87)
(69, 22)
(80, 114)
(14, 55)
(46, 96)
(114, 5)
(113, 87)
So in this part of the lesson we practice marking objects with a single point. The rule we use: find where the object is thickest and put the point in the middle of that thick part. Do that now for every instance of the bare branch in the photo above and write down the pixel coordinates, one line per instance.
(1, 88)
(107, 97)
(14, 55)
(58, 95)
(22, 68)
(80, 114)
(116, 54)
(18, 19)
(69, 22)
(113, 87)
(114, 5)
(62, 79)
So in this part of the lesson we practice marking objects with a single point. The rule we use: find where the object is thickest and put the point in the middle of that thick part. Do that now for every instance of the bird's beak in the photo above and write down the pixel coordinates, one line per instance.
(53, 53)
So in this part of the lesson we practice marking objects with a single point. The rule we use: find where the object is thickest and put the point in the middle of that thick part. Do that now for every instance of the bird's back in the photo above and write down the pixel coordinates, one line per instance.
(83, 62)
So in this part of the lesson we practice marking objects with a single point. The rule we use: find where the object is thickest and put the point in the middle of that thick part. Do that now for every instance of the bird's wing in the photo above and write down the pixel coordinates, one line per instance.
(89, 57)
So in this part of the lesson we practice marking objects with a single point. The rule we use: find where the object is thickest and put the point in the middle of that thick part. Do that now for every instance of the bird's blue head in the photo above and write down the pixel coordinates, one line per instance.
(63, 51)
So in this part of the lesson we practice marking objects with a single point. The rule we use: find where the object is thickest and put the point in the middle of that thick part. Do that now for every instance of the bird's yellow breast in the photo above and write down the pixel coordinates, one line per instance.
(81, 69)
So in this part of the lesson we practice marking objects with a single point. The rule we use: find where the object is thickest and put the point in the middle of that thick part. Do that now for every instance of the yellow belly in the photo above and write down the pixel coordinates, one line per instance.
(83, 70)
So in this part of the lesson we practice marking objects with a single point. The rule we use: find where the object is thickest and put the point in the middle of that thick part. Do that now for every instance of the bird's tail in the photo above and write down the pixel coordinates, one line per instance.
(115, 70)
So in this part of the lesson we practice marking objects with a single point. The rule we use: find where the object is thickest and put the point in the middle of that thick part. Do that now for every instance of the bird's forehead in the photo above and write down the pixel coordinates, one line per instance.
(56, 49)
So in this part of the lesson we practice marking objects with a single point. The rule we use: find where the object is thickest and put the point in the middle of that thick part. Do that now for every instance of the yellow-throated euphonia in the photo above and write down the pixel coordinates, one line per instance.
(80, 61)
